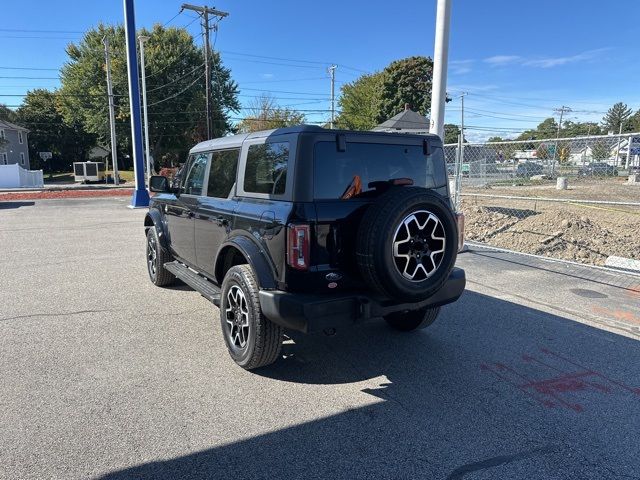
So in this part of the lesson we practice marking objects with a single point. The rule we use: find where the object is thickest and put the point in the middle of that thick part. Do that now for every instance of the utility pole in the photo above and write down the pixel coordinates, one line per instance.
(562, 111)
(440, 61)
(140, 197)
(112, 116)
(142, 39)
(464, 94)
(204, 13)
(332, 73)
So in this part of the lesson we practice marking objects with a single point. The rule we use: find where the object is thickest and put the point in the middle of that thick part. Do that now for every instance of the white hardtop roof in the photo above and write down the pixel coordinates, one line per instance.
(233, 141)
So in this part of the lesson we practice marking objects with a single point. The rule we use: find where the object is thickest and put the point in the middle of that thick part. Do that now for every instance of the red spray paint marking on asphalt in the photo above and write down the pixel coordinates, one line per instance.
(549, 391)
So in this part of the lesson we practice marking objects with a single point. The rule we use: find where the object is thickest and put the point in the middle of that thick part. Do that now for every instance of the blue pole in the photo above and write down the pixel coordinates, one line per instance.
(140, 196)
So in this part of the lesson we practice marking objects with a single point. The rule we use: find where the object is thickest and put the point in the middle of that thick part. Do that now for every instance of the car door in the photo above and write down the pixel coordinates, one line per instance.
(214, 212)
(180, 213)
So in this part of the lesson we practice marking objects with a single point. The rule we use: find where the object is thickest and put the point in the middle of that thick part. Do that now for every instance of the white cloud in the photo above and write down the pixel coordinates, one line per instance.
(267, 76)
(460, 67)
(557, 61)
(543, 62)
(499, 60)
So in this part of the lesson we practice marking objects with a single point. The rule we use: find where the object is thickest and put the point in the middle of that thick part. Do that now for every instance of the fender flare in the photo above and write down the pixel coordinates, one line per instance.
(154, 218)
(256, 258)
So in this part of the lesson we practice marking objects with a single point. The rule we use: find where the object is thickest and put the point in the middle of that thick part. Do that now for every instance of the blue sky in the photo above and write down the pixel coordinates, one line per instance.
(517, 60)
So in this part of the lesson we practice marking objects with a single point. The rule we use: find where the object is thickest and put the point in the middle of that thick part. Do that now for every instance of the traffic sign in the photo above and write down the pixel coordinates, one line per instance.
(45, 155)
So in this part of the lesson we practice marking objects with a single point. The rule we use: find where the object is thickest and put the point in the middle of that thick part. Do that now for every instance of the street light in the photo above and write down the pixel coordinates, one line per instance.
(142, 39)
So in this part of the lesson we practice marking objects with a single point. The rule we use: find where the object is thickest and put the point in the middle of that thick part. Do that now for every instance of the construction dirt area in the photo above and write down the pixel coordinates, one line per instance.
(573, 227)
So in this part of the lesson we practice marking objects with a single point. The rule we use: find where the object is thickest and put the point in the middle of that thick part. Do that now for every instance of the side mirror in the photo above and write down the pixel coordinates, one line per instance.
(159, 184)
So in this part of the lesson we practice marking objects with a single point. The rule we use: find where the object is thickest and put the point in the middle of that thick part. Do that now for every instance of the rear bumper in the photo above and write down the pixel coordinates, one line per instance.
(316, 312)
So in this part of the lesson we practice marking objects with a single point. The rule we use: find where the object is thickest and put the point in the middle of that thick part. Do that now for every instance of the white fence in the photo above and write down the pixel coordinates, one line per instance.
(14, 176)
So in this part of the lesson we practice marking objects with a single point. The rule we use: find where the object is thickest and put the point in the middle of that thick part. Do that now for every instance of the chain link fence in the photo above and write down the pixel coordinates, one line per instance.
(575, 199)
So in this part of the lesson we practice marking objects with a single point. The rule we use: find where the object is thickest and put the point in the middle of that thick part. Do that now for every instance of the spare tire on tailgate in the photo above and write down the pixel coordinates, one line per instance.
(407, 243)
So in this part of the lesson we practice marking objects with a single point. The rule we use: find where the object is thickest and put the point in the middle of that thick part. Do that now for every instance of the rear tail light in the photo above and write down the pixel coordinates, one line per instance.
(298, 247)
(460, 221)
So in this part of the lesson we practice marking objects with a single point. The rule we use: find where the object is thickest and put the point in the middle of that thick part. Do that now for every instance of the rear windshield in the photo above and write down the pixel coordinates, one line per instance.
(336, 172)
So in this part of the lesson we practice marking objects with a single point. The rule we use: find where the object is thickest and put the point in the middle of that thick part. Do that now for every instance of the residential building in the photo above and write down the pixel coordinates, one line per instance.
(14, 146)
(406, 121)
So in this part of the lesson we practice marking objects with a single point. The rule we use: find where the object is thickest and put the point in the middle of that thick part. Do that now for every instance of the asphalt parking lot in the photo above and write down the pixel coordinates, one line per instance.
(533, 374)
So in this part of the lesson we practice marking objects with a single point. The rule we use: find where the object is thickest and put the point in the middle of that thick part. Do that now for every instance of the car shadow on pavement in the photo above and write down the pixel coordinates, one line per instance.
(7, 205)
(492, 388)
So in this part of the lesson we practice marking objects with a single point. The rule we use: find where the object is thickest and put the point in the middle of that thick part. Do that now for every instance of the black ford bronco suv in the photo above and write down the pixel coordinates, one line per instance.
(308, 229)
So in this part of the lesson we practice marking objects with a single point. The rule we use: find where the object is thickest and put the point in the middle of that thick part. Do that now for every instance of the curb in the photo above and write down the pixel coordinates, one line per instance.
(64, 188)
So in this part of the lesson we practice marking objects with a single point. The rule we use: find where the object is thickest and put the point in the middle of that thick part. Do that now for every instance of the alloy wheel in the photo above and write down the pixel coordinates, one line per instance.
(237, 317)
(418, 245)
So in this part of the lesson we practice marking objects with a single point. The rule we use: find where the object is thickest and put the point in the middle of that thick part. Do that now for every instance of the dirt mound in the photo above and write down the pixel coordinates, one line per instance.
(584, 233)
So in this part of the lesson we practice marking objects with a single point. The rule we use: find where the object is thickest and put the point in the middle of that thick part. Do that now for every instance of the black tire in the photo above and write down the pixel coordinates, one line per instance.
(378, 233)
(262, 338)
(156, 258)
(413, 320)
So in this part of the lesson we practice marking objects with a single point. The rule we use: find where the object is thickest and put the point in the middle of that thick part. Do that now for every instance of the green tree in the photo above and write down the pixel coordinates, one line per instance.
(40, 112)
(451, 133)
(175, 89)
(7, 114)
(406, 81)
(618, 115)
(546, 129)
(579, 129)
(495, 139)
(635, 121)
(359, 103)
(265, 114)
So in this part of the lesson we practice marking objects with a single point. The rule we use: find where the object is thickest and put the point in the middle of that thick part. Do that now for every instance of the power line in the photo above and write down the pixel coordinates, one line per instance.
(24, 30)
(38, 37)
(172, 18)
(29, 68)
(177, 94)
(31, 78)
(176, 80)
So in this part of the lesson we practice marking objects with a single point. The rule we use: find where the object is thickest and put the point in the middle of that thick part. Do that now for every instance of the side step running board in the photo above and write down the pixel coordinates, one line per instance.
(200, 284)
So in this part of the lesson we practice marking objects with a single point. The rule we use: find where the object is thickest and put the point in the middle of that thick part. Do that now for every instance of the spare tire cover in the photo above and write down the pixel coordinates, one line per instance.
(407, 243)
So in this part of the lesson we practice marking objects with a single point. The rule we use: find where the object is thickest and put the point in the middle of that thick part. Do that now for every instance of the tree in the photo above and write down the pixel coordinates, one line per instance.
(360, 103)
(495, 139)
(451, 133)
(265, 114)
(7, 114)
(406, 81)
(546, 129)
(635, 121)
(617, 115)
(579, 129)
(68, 142)
(175, 89)
(374, 98)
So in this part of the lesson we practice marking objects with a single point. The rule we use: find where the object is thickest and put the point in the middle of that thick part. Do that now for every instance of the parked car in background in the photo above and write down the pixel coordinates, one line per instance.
(598, 169)
(528, 169)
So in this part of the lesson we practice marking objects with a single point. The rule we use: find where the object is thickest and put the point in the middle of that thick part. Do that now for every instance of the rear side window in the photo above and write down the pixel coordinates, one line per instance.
(222, 174)
(266, 170)
(363, 163)
(194, 174)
